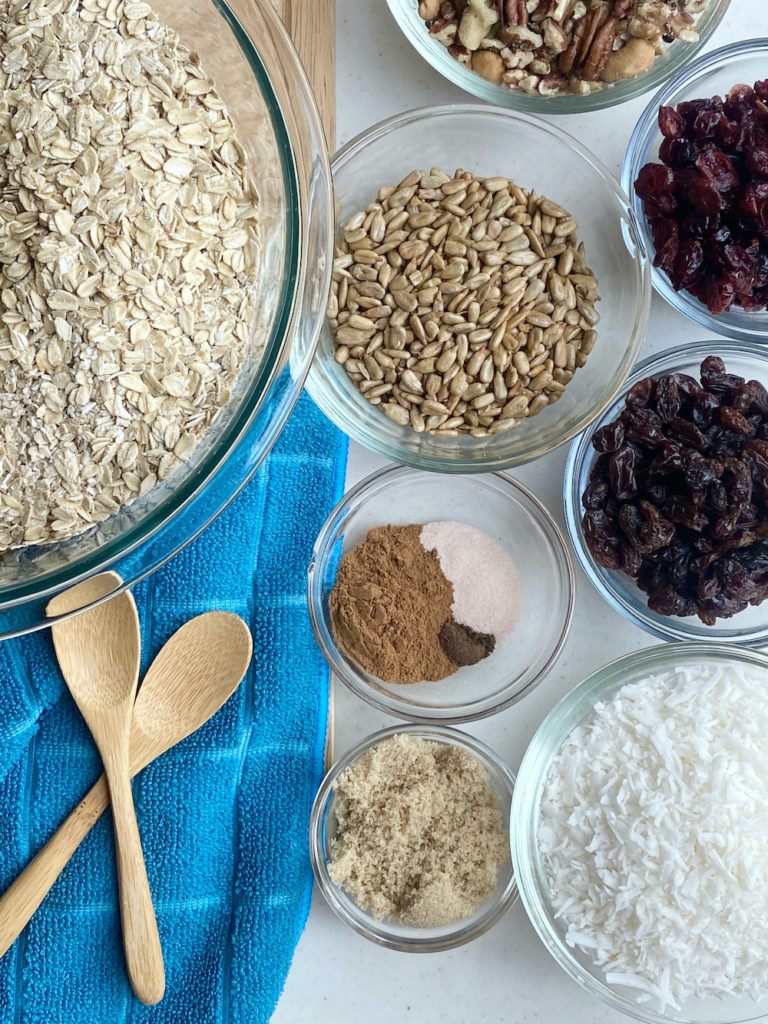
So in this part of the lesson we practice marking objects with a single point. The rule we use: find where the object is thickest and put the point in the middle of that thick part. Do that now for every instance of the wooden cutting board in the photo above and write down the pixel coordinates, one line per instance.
(312, 26)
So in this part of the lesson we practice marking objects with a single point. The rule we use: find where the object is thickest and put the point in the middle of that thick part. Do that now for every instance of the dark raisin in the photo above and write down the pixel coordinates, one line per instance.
(643, 425)
(686, 385)
(640, 394)
(595, 496)
(687, 433)
(609, 438)
(736, 421)
(622, 474)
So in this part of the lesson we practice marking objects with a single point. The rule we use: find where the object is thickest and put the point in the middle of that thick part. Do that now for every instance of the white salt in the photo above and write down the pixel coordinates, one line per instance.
(487, 592)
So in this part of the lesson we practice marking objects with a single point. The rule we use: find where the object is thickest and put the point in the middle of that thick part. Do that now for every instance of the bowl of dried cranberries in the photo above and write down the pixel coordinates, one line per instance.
(696, 171)
(666, 495)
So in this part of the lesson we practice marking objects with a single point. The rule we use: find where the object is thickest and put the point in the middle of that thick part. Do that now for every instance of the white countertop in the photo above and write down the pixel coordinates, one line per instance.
(506, 975)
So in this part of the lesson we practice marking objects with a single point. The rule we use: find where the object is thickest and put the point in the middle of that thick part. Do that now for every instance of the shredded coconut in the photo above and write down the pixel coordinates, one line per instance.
(654, 835)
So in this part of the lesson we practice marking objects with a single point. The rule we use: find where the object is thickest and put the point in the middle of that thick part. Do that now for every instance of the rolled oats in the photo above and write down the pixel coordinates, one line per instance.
(128, 258)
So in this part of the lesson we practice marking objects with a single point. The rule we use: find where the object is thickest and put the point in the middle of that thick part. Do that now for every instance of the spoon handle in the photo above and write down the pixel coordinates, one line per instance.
(141, 939)
(19, 902)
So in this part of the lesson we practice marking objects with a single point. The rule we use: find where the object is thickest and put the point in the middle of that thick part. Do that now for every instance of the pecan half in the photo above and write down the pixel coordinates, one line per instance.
(584, 35)
(595, 19)
(599, 52)
(512, 12)
(623, 8)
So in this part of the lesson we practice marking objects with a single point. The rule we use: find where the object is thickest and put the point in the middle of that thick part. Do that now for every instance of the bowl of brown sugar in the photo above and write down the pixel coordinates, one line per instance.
(440, 598)
(409, 838)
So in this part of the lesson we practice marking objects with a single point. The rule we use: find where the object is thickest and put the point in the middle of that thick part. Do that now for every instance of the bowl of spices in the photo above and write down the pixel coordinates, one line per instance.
(695, 171)
(409, 838)
(440, 598)
(665, 496)
(639, 834)
(558, 56)
(490, 291)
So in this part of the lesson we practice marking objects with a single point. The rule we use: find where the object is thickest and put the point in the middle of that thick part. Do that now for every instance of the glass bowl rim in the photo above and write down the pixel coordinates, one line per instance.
(601, 579)
(570, 103)
(557, 725)
(362, 428)
(345, 907)
(682, 301)
(343, 669)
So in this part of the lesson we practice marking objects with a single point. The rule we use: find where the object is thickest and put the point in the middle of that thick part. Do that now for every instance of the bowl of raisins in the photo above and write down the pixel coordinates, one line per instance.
(666, 495)
(696, 172)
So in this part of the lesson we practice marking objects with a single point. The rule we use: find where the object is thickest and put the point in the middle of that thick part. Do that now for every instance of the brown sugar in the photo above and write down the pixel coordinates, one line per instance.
(420, 834)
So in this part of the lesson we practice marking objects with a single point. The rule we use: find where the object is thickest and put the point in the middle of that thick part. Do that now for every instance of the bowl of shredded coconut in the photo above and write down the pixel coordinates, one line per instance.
(639, 834)
(166, 234)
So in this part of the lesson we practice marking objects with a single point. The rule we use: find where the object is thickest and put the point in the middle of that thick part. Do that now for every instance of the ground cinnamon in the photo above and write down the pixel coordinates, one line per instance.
(389, 604)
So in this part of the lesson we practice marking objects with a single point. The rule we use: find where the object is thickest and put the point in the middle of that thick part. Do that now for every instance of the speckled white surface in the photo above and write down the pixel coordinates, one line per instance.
(506, 976)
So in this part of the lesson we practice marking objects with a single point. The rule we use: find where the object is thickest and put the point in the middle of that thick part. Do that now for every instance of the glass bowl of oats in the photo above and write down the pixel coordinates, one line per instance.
(166, 258)
(558, 56)
(490, 290)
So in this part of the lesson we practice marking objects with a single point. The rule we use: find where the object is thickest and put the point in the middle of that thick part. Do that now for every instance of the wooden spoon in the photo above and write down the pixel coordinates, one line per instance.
(195, 673)
(99, 653)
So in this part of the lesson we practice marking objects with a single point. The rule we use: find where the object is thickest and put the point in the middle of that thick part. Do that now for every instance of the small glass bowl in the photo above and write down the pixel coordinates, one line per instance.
(517, 521)
(750, 627)
(405, 13)
(389, 932)
(571, 712)
(739, 63)
(490, 142)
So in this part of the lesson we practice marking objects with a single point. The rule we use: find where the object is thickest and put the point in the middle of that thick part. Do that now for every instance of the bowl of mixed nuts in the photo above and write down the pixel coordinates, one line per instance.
(490, 290)
(558, 56)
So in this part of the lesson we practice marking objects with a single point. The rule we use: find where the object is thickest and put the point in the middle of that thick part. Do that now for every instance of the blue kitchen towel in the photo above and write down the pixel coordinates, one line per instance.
(223, 816)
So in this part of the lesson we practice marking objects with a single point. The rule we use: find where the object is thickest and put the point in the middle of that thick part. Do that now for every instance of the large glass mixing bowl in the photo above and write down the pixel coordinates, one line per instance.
(248, 54)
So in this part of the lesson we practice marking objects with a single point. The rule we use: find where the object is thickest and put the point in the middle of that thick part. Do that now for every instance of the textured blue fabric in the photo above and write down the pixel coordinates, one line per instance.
(223, 816)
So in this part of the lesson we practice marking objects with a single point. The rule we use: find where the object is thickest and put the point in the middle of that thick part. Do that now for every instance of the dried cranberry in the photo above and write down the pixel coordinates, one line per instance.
(717, 169)
(690, 109)
(653, 181)
(688, 261)
(739, 99)
(696, 225)
(671, 123)
(678, 152)
(757, 162)
(705, 123)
